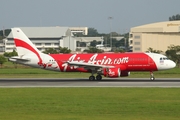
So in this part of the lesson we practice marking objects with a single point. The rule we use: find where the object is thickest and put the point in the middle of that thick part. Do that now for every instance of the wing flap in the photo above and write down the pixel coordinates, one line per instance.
(83, 64)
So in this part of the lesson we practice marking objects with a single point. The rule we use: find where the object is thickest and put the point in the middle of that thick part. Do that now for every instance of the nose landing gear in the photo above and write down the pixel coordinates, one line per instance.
(152, 76)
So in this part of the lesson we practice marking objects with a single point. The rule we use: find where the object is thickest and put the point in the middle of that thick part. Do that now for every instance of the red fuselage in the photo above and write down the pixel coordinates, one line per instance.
(124, 61)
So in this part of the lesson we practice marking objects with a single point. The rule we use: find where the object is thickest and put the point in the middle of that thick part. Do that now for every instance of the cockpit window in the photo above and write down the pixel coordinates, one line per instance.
(164, 58)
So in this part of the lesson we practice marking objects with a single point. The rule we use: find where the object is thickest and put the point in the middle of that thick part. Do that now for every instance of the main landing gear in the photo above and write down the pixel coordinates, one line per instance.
(98, 77)
(152, 76)
(92, 77)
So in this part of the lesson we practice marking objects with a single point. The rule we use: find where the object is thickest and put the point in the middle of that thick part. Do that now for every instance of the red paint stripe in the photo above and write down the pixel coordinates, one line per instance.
(20, 43)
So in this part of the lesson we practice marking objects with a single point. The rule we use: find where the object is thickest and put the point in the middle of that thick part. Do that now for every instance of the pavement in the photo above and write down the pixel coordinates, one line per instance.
(74, 82)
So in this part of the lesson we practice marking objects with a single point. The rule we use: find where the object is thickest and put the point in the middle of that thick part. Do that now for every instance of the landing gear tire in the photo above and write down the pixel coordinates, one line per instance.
(152, 78)
(91, 78)
(98, 77)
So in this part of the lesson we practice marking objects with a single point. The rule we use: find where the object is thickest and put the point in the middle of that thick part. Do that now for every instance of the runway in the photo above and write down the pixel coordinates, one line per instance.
(70, 82)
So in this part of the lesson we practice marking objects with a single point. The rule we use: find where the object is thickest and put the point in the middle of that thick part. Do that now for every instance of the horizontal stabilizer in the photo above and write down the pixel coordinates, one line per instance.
(17, 58)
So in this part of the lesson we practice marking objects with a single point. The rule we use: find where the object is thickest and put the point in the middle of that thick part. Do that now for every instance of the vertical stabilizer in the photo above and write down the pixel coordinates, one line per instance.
(23, 44)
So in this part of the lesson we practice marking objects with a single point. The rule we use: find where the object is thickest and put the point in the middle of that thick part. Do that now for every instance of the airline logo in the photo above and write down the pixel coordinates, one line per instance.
(111, 73)
(104, 61)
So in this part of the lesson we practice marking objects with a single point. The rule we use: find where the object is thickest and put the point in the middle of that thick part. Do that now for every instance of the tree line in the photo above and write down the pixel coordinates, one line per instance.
(173, 52)
(117, 45)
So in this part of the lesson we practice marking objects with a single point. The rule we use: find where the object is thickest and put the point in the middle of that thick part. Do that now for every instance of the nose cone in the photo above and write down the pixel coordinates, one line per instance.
(169, 64)
(172, 64)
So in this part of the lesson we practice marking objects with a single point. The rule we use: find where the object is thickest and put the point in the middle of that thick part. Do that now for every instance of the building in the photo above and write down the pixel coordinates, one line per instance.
(88, 40)
(83, 30)
(54, 37)
(46, 37)
(156, 35)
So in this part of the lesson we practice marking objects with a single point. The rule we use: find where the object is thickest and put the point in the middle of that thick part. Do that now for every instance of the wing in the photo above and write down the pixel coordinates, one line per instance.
(88, 65)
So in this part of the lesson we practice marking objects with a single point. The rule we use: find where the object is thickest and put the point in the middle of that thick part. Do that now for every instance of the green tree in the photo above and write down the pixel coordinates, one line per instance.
(64, 50)
(126, 39)
(92, 32)
(2, 60)
(93, 50)
(115, 34)
(117, 50)
(1, 37)
(54, 51)
(82, 44)
(173, 53)
(174, 17)
(78, 34)
(10, 54)
(94, 43)
(50, 51)
(154, 51)
(4, 33)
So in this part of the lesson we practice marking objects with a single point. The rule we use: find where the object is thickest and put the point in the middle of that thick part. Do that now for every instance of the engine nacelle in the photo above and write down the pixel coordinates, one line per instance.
(115, 72)
(125, 73)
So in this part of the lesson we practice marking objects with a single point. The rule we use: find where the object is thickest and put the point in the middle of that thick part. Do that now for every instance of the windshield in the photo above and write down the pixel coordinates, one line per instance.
(164, 58)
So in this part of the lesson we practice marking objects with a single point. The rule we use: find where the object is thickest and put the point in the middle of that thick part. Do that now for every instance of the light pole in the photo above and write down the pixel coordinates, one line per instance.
(68, 33)
(110, 18)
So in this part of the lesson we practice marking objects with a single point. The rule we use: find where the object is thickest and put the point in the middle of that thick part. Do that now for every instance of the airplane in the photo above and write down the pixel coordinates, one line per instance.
(111, 65)
(100, 46)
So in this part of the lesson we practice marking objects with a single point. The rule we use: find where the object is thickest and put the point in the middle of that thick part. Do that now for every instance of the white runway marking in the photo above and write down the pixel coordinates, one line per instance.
(88, 86)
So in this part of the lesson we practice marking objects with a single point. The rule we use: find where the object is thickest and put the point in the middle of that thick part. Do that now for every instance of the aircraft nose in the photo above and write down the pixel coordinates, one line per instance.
(172, 64)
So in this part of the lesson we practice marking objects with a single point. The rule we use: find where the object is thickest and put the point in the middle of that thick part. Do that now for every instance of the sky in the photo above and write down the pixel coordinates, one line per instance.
(125, 14)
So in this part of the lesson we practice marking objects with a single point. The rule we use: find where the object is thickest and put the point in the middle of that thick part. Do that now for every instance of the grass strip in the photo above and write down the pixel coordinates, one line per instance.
(20, 71)
(89, 103)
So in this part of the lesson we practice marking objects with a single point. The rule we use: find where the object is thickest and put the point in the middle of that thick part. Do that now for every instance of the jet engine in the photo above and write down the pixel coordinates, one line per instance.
(125, 73)
(115, 72)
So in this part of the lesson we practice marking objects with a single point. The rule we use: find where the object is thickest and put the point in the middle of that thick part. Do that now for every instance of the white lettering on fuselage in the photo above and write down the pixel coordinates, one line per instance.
(104, 61)
(72, 59)
(111, 73)
(93, 60)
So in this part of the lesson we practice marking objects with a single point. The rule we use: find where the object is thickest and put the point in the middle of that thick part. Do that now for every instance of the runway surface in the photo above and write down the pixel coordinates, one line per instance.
(64, 82)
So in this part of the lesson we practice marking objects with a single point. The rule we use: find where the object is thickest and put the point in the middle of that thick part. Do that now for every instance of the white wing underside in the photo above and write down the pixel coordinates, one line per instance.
(88, 65)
